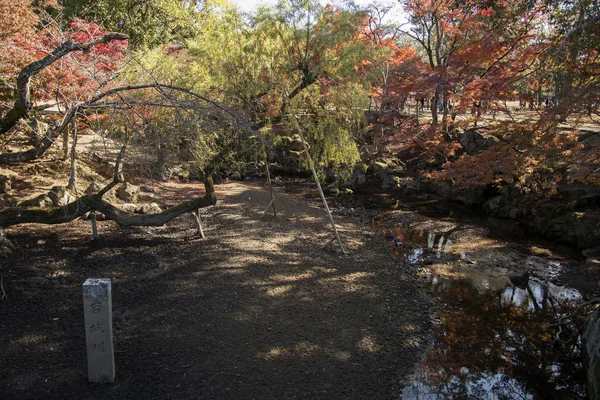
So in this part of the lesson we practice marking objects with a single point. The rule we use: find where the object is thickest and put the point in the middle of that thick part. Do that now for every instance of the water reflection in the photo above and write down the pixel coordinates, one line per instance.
(414, 244)
(495, 340)
(499, 343)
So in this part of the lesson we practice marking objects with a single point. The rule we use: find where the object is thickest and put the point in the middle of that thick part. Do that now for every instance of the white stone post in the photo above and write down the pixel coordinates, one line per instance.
(97, 311)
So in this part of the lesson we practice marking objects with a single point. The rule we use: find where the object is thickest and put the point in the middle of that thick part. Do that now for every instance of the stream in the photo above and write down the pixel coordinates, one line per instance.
(503, 328)
(493, 338)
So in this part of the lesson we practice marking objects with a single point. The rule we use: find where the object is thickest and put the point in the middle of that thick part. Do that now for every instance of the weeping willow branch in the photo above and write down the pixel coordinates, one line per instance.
(315, 176)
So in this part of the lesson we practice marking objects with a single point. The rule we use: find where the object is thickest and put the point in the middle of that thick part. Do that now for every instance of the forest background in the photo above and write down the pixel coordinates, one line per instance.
(492, 103)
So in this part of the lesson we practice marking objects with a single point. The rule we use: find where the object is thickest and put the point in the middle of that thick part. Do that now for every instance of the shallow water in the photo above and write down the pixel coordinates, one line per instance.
(493, 340)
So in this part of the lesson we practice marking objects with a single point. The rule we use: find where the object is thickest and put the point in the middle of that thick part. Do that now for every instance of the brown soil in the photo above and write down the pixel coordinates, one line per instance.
(257, 310)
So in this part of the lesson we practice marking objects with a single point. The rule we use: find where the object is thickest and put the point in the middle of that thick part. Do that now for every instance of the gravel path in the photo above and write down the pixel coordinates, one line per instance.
(257, 310)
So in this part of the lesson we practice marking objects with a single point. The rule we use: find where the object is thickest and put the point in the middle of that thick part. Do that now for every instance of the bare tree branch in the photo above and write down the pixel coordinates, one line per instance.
(117, 176)
(230, 117)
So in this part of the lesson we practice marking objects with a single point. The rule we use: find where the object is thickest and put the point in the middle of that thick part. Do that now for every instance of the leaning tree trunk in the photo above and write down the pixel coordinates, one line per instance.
(60, 215)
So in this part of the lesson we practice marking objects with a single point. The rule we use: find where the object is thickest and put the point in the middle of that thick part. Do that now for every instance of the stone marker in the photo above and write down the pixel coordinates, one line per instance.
(97, 310)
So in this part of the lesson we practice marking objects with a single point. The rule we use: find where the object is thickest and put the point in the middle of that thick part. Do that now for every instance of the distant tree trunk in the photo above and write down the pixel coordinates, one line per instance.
(417, 109)
(73, 173)
(66, 144)
(445, 117)
(434, 107)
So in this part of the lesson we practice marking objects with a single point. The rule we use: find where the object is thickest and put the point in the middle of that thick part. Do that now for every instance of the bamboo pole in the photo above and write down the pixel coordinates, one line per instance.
(267, 209)
(314, 172)
(269, 181)
(199, 223)
(94, 225)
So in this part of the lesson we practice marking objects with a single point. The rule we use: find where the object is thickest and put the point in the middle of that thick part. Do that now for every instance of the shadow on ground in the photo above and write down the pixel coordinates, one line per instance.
(258, 310)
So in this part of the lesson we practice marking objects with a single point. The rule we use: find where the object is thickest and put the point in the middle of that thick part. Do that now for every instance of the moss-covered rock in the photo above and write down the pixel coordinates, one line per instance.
(60, 196)
(128, 192)
(494, 205)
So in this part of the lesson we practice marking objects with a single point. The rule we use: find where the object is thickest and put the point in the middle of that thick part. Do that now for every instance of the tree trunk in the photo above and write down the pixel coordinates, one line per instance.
(73, 173)
(445, 117)
(94, 225)
(60, 215)
(434, 107)
(66, 144)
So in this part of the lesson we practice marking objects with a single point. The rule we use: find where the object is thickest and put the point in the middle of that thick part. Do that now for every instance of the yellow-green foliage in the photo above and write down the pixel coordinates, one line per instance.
(333, 145)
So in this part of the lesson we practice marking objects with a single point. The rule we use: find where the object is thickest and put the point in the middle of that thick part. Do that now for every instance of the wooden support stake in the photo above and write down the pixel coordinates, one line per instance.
(328, 242)
(199, 223)
(94, 225)
(267, 209)
(269, 181)
(314, 172)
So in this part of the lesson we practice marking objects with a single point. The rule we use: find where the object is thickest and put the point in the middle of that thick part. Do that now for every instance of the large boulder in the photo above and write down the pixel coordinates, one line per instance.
(493, 205)
(591, 354)
(129, 207)
(217, 179)
(381, 169)
(151, 208)
(473, 196)
(582, 228)
(236, 176)
(128, 192)
(387, 171)
(474, 142)
(359, 178)
(60, 196)
(43, 200)
(408, 185)
(391, 182)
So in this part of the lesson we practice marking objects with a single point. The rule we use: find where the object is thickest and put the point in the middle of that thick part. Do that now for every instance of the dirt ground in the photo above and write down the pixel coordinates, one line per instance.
(256, 310)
